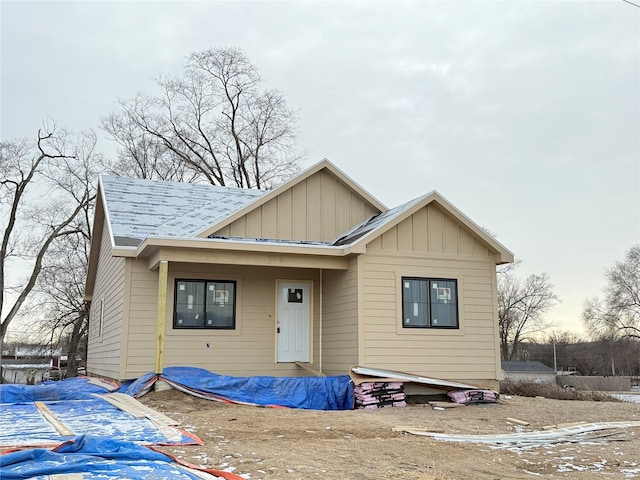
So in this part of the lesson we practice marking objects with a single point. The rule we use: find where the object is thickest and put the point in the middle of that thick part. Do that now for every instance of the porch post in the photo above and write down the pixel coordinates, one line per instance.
(163, 270)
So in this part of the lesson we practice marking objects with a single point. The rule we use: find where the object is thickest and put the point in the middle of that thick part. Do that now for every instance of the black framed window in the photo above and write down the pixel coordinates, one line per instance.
(429, 303)
(205, 304)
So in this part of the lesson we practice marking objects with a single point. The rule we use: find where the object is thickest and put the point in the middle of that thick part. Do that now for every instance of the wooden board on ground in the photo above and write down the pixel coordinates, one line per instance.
(134, 407)
(53, 420)
(518, 422)
(416, 429)
(447, 404)
(109, 386)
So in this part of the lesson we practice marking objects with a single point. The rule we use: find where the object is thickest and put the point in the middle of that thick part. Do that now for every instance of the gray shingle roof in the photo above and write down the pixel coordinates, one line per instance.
(537, 367)
(139, 208)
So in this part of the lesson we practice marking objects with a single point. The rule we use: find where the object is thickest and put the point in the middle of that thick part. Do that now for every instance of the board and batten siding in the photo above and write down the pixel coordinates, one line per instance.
(108, 302)
(320, 208)
(431, 244)
(340, 319)
(250, 349)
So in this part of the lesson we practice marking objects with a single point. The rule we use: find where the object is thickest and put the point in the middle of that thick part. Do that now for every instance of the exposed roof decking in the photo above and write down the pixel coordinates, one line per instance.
(139, 208)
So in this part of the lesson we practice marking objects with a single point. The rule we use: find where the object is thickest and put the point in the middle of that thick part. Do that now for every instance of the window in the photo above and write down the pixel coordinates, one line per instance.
(429, 303)
(205, 304)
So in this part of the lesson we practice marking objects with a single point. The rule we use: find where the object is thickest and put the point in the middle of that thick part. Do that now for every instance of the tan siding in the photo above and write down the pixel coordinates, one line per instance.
(420, 228)
(467, 353)
(390, 239)
(329, 207)
(319, 208)
(239, 228)
(251, 348)
(465, 242)
(344, 210)
(405, 235)
(314, 207)
(299, 193)
(103, 356)
(254, 224)
(270, 219)
(143, 308)
(225, 232)
(369, 211)
(436, 229)
(340, 320)
(431, 230)
(450, 235)
(285, 215)
(357, 210)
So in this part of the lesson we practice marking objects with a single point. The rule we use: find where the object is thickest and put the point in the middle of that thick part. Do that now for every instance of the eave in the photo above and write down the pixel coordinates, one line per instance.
(239, 252)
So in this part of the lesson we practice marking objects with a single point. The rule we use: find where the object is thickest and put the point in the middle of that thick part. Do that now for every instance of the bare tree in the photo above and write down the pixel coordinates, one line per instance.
(522, 305)
(44, 194)
(214, 121)
(60, 287)
(60, 295)
(141, 154)
(617, 312)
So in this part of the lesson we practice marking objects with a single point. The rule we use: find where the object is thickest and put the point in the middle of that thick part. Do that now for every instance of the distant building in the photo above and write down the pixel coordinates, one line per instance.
(26, 370)
(528, 372)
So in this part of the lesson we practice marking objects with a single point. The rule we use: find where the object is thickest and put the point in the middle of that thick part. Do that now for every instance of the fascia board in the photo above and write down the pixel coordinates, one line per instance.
(291, 183)
(152, 243)
(99, 216)
(103, 198)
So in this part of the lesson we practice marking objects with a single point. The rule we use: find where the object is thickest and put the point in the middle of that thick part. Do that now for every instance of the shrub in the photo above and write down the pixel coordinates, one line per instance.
(553, 391)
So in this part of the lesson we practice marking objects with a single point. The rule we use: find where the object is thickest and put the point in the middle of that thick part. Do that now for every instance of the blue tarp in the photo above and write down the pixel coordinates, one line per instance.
(78, 388)
(314, 393)
(95, 458)
(22, 424)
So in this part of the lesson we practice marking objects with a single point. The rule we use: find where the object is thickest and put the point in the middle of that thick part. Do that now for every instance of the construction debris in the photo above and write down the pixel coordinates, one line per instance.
(603, 431)
(518, 422)
(372, 395)
(562, 425)
(469, 397)
(435, 404)
(359, 374)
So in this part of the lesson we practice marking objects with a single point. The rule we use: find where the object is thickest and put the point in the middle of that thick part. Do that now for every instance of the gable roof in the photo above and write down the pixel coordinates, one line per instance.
(137, 209)
(379, 224)
(529, 367)
(302, 176)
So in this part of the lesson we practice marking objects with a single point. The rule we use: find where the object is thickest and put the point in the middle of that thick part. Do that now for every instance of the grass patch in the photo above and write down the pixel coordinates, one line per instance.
(553, 391)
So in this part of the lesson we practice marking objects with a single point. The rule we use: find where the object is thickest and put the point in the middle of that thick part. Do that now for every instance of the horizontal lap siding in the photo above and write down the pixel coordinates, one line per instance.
(468, 352)
(431, 244)
(103, 356)
(251, 348)
(340, 320)
(143, 308)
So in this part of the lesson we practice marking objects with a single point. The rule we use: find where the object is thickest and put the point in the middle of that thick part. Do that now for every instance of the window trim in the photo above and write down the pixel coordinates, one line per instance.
(430, 326)
(101, 322)
(205, 281)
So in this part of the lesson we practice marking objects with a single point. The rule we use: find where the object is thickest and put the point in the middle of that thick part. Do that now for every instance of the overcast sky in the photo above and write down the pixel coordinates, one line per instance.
(525, 115)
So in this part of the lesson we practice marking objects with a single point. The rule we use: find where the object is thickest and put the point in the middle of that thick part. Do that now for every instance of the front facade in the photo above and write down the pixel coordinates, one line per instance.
(316, 271)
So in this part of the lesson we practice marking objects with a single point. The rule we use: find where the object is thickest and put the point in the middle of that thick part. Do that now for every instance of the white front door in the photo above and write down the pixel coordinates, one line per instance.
(292, 330)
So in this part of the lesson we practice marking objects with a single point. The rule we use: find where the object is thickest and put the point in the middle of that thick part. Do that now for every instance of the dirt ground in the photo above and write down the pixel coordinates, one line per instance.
(265, 443)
